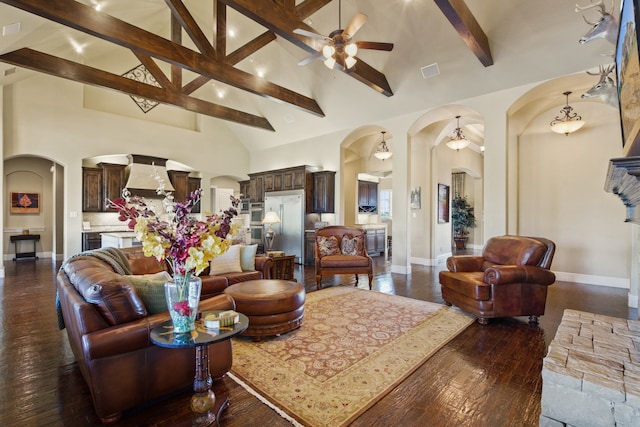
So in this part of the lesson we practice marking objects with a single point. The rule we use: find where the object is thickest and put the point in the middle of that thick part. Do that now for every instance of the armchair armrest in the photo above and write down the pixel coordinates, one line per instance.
(264, 264)
(499, 274)
(464, 263)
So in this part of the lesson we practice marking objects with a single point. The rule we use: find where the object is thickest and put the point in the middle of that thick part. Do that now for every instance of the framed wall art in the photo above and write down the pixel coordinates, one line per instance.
(25, 203)
(443, 203)
(415, 198)
(628, 74)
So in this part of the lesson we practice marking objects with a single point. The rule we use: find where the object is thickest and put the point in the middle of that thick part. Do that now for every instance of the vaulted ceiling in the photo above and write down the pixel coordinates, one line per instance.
(199, 50)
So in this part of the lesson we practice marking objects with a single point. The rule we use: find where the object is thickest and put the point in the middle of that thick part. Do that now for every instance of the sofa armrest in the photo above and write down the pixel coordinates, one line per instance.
(134, 336)
(263, 265)
(464, 263)
(500, 274)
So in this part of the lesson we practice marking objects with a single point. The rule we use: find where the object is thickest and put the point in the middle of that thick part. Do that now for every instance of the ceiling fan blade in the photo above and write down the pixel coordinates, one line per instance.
(375, 45)
(306, 33)
(310, 58)
(353, 26)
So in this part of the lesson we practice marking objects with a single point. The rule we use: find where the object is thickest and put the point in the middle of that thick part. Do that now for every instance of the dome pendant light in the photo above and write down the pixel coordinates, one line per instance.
(567, 122)
(458, 141)
(383, 152)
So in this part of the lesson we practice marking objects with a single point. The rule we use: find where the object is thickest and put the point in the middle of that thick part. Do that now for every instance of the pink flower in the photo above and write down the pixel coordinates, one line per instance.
(183, 308)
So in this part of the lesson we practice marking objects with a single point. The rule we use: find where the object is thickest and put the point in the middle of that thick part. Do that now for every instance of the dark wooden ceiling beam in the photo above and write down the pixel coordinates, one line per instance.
(180, 12)
(45, 63)
(283, 21)
(250, 48)
(457, 12)
(176, 37)
(309, 7)
(85, 19)
(155, 71)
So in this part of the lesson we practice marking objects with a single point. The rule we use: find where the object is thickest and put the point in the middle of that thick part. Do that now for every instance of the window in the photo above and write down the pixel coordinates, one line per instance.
(384, 204)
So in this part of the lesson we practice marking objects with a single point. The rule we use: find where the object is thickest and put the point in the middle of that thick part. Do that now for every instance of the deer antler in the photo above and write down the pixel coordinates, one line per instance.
(603, 71)
(591, 6)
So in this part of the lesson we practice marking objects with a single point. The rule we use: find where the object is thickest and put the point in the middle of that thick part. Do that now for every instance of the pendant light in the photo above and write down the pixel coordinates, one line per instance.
(567, 122)
(383, 152)
(458, 141)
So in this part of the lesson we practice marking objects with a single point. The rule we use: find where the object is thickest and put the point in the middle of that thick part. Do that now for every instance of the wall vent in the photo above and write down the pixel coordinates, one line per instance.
(430, 70)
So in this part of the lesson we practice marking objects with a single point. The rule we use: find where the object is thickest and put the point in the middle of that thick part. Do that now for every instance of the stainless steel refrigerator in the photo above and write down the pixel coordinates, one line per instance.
(290, 207)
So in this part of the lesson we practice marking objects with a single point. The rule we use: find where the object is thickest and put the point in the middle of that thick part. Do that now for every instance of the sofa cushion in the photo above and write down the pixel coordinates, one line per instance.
(328, 245)
(228, 262)
(141, 264)
(469, 284)
(150, 288)
(513, 250)
(352, 245)
(344, 261)
(243, 277)
(248, 257)
(111, 294)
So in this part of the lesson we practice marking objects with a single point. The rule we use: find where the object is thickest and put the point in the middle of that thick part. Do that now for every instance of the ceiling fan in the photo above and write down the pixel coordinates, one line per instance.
(339, 47)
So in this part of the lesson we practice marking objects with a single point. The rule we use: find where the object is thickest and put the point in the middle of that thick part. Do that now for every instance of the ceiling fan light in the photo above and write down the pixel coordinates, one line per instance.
(350, 61)
(351, 49)
(328, 51)
(330, 62)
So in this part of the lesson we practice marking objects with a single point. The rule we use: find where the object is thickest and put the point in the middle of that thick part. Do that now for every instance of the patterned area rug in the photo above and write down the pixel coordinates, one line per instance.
(353, 347)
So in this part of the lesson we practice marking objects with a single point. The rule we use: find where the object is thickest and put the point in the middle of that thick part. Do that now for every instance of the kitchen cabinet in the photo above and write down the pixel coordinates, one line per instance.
(309, 248)
(193, 184)
(375, 240)
(273, 181)
(91, 241)
(112, 182)
(367, 196)
(244, 189)
(324, 192)
(256, 187)
(92, 190)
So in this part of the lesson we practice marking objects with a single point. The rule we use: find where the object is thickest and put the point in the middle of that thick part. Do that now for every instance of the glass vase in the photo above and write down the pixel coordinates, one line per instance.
(183, 296)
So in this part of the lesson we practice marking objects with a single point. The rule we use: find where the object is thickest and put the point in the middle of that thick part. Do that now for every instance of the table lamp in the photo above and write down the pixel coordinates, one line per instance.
(270, 218)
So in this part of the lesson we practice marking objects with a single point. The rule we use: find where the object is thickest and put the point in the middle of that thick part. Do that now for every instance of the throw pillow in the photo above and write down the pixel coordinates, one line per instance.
(248, 257)
(150, 288)
(352, 245)
(328, 245)
(228, 262)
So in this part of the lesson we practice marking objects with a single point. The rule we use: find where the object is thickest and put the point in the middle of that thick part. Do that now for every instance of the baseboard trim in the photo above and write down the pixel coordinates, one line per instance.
(611, 282)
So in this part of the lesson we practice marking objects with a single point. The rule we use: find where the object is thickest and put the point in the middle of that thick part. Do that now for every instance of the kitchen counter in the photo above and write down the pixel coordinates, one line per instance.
(119, 239)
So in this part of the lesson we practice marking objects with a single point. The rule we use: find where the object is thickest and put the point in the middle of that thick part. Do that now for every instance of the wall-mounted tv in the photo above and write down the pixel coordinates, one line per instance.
(628, 76)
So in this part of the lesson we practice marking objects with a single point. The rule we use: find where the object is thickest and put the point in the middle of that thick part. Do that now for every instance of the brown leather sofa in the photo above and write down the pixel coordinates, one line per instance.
(339, 262)
(211, 285)
(108, 328)
(510, 278)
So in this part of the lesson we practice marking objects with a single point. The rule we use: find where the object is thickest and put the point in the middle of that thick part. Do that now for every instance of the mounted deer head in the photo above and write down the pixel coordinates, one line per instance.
(605, 88)
(606, 27)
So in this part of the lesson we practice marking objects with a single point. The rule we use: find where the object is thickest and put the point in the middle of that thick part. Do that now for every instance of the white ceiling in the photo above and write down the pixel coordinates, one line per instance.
(531, 41)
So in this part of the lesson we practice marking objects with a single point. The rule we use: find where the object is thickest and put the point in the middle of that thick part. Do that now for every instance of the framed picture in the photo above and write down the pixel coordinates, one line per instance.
(628, 73)
(415, 198)
(25, 203)
(443, 203)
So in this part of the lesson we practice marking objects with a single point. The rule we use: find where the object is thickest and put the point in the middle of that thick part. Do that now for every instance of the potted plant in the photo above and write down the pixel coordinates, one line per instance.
(462, 218)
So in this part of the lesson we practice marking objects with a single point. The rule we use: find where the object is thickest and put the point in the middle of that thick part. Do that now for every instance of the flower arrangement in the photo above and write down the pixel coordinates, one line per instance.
(186, 243)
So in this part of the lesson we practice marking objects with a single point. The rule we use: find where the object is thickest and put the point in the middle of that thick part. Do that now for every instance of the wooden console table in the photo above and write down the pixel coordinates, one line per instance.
(282, 267)
(21, 237)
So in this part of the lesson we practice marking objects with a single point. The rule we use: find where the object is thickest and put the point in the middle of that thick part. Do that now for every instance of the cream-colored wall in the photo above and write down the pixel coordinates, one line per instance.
(44, 116)
(561, 192)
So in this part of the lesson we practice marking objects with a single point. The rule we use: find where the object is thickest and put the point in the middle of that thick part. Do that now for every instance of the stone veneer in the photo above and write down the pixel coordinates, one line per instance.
(591, 374)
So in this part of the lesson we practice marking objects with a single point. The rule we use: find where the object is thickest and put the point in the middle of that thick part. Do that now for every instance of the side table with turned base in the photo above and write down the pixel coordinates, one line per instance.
(204, 404)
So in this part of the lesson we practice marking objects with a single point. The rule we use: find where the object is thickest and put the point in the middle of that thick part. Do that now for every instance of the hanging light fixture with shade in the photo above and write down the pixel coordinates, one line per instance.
(458, 141)
(383, 152)
(567, 122)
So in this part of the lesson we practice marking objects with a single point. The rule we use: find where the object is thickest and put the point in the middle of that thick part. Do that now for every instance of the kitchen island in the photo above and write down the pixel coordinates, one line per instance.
(119, 239)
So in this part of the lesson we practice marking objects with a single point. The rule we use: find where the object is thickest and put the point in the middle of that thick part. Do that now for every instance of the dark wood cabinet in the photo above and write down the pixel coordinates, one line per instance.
(256, 187)
(112, 182)
(192, 185)
(367, 196)
(324, 192)
(92, 190)
(295, 178)
(244, 188)
(180, 182)
(91, 241)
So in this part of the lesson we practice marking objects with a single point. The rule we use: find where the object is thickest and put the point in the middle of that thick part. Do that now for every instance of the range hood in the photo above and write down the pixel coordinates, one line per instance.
(141, 175)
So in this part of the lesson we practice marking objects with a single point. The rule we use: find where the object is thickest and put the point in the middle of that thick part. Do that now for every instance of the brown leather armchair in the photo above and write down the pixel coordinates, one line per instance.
(510, 278)
(348, 257)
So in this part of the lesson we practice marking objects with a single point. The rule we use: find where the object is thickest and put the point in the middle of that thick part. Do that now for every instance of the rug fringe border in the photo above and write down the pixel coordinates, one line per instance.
(264, 400)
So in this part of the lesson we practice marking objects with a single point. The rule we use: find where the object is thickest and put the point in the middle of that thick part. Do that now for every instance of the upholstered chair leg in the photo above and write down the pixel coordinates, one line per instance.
(318, 279)
(483, 321)
(356, 280)
(370, 280)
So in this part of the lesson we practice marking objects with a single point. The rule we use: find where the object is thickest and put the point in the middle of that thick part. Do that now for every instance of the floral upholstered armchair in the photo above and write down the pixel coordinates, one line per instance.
(340, 249)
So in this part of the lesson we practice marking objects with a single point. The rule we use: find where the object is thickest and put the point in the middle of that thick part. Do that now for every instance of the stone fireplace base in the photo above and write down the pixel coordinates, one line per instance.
(591, 374)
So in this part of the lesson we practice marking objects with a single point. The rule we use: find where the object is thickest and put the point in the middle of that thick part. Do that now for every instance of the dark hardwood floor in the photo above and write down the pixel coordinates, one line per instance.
(486, 376)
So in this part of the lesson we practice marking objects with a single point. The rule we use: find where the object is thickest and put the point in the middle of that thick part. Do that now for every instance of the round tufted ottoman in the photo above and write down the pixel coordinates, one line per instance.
(272, 306)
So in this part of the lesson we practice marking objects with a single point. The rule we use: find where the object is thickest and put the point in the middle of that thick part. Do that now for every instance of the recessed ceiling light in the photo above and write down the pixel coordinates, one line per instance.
(231, 33)
(11, 29)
